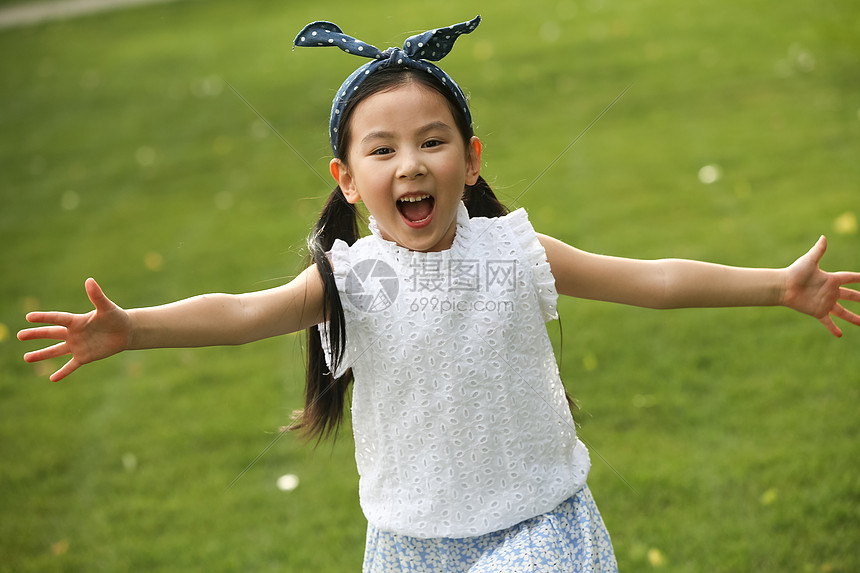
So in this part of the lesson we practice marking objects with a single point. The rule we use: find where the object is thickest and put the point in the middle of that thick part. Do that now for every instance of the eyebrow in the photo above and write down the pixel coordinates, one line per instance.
(422, 130)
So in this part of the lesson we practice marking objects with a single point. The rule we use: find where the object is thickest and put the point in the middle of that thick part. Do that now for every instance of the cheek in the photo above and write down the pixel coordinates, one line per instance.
(455, 171)
(372, 185)
(367, 179)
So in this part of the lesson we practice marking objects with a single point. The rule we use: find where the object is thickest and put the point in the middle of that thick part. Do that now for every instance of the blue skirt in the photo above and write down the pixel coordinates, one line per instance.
(571, 538)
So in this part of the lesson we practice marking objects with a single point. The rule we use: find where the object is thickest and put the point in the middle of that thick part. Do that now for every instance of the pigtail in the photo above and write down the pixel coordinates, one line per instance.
(325, 395)
(480, 200)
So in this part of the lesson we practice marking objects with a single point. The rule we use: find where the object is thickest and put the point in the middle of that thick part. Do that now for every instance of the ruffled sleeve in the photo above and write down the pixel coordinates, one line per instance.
(340, 262)
(535, 255)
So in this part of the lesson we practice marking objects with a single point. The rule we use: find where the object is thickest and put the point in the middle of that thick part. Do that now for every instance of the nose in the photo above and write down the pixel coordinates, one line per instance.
(411, 164)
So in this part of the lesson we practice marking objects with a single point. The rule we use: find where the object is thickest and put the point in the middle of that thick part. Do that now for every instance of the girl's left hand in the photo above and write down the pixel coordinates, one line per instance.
(817, 293)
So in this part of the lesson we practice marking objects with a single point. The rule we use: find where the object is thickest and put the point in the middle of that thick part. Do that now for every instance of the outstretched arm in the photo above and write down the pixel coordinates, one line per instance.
(676, 283)
(205, 320)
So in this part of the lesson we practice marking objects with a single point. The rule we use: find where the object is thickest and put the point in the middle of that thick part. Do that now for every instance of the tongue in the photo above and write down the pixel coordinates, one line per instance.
(417, 210)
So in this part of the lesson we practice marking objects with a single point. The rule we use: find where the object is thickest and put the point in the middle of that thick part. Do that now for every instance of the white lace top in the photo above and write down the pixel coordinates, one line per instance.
(460, 419)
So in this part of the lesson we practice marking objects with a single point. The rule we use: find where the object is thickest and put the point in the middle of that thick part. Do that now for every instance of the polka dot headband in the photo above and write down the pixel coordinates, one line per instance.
(417, 53)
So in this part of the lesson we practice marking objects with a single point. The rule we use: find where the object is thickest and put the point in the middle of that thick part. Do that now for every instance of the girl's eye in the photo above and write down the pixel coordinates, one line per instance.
(432, 143)
(381, 151)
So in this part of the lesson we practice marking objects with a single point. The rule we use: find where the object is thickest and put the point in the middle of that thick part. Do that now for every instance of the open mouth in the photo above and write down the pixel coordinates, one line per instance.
(416, 209)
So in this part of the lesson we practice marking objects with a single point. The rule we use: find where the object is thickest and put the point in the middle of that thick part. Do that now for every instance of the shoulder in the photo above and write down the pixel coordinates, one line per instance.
(516, 224)
(343, 253)
(509, 235)
(516, 215)
(513, 235)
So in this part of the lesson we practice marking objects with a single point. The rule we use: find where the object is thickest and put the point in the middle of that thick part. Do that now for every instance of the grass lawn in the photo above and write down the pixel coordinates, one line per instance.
(125, 156)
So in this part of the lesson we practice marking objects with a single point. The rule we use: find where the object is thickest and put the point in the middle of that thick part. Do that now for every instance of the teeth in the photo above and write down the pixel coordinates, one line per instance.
(413, 198)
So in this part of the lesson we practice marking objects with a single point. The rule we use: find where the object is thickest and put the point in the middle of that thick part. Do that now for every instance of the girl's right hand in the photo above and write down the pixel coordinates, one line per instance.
(100, 333)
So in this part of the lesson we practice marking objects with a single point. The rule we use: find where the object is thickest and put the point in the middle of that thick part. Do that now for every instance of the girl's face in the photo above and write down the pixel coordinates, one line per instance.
(408, 163)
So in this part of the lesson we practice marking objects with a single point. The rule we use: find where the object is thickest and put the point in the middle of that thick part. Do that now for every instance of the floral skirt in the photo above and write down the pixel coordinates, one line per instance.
(571, 538)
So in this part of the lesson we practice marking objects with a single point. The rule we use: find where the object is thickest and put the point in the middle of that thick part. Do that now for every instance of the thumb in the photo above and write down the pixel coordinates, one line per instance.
(97, 296)
(818, 249)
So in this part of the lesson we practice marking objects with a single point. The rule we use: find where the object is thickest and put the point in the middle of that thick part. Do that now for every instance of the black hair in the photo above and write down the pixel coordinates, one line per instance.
(325, 394)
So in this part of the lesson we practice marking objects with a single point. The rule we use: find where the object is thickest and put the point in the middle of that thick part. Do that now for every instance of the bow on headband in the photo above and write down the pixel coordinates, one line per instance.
(418, 51)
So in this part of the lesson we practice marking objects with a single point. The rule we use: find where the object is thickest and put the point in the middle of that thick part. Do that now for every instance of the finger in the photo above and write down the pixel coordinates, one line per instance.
(846, 315)
(58, 318)
(849, 294)
(67, 369)
(828, 323)
(42, 332)
(97, 295)
(847, 278)
(59, 349)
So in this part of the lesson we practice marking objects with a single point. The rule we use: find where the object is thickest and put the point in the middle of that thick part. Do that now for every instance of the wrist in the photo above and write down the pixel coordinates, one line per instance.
(132, 339)
(781, 287)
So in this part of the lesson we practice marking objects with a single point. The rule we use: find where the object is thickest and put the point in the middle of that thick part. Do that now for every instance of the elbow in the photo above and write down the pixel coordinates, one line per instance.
(247, 321)
(662, 290)
(235, 318)
(679, 283)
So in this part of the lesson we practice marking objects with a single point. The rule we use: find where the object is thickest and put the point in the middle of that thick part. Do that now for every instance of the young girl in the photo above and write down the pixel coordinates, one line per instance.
(465, 445)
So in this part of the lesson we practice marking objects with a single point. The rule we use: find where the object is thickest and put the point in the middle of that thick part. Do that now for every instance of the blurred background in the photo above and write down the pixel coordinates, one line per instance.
(722, 440)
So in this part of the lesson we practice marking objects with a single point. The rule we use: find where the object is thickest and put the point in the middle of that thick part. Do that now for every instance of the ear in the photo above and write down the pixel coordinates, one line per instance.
(473, 161)
(344, 179)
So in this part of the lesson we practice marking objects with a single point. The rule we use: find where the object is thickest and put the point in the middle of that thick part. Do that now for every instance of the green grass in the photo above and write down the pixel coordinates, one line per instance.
(124, 156)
